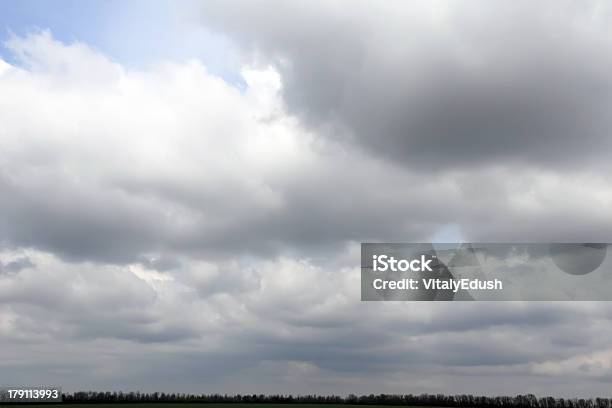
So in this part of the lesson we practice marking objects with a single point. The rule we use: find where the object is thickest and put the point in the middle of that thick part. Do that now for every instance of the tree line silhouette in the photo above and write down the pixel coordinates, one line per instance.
(422, 400)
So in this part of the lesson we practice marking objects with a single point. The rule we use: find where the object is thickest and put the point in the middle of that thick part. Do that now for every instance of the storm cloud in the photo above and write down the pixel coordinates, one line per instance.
(435, 85)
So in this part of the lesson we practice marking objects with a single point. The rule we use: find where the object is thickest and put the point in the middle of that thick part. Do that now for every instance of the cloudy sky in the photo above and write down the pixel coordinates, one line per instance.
(184, 186)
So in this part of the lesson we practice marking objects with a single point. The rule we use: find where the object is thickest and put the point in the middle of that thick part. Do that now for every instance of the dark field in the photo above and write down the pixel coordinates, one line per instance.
(195, 405)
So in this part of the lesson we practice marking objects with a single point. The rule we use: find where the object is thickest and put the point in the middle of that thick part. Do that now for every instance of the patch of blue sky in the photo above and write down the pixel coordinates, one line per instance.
(448, 234)
(136, 33)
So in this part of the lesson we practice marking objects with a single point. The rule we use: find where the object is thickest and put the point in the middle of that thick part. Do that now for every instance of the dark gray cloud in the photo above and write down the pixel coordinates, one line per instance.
(439, 85)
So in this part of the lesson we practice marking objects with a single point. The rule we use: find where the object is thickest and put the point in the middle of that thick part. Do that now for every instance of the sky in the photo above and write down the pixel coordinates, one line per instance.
(184, 186)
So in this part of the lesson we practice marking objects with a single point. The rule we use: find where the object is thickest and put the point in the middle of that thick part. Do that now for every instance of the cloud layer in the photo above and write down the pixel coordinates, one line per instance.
(162, 229)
